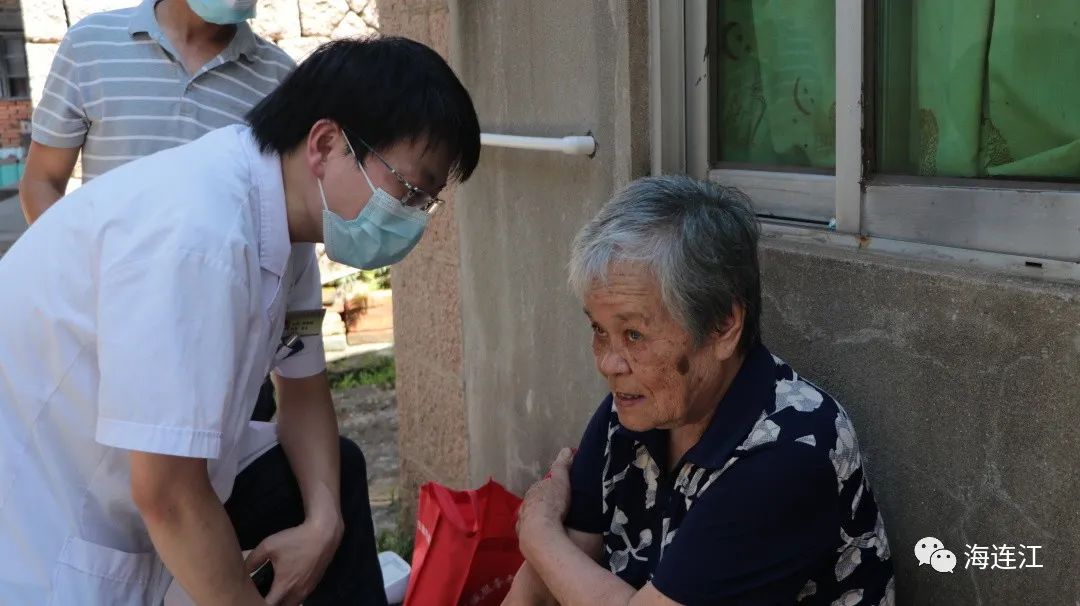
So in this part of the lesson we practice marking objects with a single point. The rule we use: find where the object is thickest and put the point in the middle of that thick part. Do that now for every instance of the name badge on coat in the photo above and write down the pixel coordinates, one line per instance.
(304, 322)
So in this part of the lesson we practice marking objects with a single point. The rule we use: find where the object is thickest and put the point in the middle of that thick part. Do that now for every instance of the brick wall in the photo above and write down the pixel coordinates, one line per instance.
(14, 113)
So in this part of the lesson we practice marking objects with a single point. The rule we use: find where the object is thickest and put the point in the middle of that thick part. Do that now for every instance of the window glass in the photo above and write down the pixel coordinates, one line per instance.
(979, 88)
(774, 78)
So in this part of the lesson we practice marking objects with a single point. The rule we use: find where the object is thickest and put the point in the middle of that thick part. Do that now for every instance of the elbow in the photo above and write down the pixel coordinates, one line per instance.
(154, 500)
(161, 486)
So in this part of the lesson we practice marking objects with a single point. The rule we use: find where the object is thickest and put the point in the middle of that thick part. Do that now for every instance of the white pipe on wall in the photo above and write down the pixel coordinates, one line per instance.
(575, 145)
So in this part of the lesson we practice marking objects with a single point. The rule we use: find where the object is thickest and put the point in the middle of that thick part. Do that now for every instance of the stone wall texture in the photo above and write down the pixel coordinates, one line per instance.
(14, 116)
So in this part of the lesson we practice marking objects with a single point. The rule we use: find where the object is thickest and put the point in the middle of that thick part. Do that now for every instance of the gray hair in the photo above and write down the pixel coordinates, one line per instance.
(698, 239)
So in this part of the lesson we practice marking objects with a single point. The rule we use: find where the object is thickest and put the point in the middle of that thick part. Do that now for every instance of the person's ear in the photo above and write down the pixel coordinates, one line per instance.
(323, 138)
(724, 339)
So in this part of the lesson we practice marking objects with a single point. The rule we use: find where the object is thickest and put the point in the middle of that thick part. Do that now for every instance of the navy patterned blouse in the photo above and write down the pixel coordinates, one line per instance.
(771, 506)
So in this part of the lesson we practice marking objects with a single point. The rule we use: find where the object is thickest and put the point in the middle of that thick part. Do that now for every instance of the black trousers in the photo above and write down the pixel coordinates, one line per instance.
(266, 500)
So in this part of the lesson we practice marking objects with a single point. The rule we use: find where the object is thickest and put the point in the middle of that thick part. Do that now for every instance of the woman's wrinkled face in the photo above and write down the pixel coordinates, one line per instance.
(657, 376)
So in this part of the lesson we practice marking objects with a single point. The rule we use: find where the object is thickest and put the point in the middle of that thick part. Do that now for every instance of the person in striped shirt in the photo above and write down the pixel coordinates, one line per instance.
(127, 83)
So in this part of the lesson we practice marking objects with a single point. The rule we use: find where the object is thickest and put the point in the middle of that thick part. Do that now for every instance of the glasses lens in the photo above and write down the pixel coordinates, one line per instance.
(415, 198)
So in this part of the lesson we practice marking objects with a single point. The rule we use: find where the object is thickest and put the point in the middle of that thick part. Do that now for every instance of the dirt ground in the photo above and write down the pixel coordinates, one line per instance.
(368, 416)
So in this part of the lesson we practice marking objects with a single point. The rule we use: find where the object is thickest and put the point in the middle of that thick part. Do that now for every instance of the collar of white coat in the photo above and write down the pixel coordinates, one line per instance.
(266, 179)
(143, 21)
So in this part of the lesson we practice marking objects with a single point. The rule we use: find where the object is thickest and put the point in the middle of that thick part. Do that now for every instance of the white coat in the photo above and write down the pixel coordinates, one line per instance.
(141, 312)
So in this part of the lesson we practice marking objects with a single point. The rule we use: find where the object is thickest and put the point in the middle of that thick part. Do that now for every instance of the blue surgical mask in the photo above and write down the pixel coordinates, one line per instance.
(223, 12)
(382, 234)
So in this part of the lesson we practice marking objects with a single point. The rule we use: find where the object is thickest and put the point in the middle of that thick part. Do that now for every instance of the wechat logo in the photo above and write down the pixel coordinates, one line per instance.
(932, 551)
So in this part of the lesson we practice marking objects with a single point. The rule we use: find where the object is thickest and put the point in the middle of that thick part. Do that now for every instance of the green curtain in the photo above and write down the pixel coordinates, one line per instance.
(969, 88)
(995, 88)
(777, 82)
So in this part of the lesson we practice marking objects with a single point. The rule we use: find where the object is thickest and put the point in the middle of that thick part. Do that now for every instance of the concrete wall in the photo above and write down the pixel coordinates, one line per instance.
(555, 69)
(432, 434)
(966, 396)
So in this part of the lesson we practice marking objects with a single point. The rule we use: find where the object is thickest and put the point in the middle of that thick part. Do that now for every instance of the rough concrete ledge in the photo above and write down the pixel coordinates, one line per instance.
(964, 388)
(927, 267)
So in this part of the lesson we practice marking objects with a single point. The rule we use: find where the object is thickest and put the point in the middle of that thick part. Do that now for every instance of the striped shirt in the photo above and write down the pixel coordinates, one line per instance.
(117, 88)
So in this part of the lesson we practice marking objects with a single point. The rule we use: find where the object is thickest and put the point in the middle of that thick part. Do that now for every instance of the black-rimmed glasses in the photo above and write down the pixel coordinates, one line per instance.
(414, 196)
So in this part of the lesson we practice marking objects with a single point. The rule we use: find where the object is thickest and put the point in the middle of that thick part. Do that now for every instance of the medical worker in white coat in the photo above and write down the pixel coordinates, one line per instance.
(139, 315)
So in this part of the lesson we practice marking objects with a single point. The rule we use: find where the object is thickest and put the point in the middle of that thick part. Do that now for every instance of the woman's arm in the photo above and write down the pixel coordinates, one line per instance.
(529, 589)
(567, 572)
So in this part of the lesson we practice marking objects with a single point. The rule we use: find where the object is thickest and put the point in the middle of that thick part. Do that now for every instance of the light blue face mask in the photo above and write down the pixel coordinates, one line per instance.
(223, 12)
(382, 234)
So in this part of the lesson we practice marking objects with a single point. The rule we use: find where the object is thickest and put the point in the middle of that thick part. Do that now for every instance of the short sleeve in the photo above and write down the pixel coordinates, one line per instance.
(172, 343)
(586, 512)
(305, 293)
(756, 535)
(59, 119)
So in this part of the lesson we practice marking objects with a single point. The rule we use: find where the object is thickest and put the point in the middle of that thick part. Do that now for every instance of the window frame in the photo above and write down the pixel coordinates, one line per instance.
(1026, 227)
(13, 39)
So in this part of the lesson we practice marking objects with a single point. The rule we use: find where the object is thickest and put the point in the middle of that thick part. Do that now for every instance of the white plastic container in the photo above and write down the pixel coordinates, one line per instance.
(395, 574)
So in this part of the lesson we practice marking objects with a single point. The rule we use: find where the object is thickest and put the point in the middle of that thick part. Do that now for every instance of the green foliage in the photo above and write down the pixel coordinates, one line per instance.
(371, 279)
(380, 372)
(397, 539)
(378, 279)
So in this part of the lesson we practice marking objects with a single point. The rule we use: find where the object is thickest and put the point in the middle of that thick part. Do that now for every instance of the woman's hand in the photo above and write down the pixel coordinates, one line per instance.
(547, 502)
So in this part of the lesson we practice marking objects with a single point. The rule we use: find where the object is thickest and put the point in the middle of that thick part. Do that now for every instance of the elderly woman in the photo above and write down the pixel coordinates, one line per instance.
(712, 473)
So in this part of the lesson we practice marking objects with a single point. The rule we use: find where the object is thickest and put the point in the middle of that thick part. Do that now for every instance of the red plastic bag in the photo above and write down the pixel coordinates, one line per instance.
(466, 548)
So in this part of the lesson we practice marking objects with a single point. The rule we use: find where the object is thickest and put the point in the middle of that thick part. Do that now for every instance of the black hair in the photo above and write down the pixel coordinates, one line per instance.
(382, 89)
